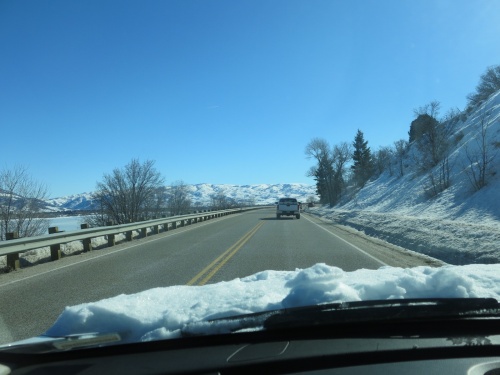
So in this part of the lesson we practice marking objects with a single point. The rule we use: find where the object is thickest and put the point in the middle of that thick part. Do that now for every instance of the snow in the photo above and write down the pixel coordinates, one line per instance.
(162, 313)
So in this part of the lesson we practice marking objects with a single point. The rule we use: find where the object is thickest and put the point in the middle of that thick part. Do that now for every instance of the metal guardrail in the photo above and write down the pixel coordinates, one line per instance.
(13, 248)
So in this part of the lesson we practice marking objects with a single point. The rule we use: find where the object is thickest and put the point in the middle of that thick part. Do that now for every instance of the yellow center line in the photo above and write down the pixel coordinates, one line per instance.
(209, 271)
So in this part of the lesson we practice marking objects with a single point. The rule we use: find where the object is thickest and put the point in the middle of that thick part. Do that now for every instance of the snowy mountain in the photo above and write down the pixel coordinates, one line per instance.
(74, 202)
(18, 202)
(258, 194)
(201, 195)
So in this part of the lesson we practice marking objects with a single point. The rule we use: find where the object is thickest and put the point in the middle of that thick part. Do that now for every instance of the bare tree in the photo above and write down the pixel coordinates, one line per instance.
(489, 83)
(311, 199)
(322, 172)
(382, 160)
(131, 193)
(317, 148)
(439, 178)
(341, 155)
(21, 203)
(220, 201)
(429, 136)
(178, 201)
(480, 156)
(401, 149)
(329, 172)
(453, 115)
(432, 138)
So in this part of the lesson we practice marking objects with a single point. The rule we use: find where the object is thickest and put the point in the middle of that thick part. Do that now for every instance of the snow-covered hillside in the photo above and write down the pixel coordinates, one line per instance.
(459, 225)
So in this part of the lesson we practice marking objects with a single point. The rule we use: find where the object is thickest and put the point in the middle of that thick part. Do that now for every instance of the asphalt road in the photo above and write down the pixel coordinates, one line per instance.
(222, 249)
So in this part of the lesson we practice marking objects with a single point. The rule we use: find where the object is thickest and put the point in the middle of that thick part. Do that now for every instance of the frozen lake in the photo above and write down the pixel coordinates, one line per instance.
(67, 223)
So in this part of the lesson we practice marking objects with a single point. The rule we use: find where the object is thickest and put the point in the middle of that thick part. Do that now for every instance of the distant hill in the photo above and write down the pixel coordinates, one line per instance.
(75, 202)
(201, 195)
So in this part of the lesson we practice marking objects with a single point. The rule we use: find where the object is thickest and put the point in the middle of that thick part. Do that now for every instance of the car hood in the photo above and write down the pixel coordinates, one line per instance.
(171, 312)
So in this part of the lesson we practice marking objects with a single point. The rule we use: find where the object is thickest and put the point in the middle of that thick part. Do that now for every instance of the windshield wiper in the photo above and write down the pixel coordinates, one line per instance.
(383, 310)
(350, 313)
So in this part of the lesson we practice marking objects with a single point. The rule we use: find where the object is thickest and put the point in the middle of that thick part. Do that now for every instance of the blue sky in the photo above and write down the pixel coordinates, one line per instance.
(224, 91)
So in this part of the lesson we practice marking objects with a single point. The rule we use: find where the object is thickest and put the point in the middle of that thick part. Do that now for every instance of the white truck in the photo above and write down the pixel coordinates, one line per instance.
(288, 207)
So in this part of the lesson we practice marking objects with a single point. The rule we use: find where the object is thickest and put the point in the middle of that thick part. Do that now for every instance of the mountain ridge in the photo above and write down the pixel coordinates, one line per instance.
(201, 193)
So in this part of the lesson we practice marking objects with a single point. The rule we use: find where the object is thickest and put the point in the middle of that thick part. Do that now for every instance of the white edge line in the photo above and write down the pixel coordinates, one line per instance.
(347, 242)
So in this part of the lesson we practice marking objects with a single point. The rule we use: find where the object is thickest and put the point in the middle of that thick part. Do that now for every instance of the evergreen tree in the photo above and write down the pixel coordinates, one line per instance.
(322, 175)
(362, 167)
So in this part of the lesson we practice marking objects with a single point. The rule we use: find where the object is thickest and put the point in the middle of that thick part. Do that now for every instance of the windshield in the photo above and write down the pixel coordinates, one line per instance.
(151, 152)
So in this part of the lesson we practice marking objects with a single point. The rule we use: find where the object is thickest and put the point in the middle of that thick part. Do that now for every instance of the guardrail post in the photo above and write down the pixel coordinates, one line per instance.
(87, 245)
(55, 250)
(87, 242)
(12, 259)
(111, 237)
(128, 235)
(174, 225)
(156, 229)
(144, 232)
(182, 223)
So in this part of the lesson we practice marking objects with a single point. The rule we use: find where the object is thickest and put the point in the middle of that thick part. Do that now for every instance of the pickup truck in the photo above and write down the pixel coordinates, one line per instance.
(288, 207)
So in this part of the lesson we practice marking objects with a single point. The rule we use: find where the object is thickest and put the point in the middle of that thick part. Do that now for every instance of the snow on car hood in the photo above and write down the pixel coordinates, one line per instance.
(161, 313)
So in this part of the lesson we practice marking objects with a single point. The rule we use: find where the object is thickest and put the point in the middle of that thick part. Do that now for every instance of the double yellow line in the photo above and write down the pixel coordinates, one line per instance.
(210, 270)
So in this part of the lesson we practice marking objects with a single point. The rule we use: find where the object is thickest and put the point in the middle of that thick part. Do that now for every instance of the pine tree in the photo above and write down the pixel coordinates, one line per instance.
(362, 167)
